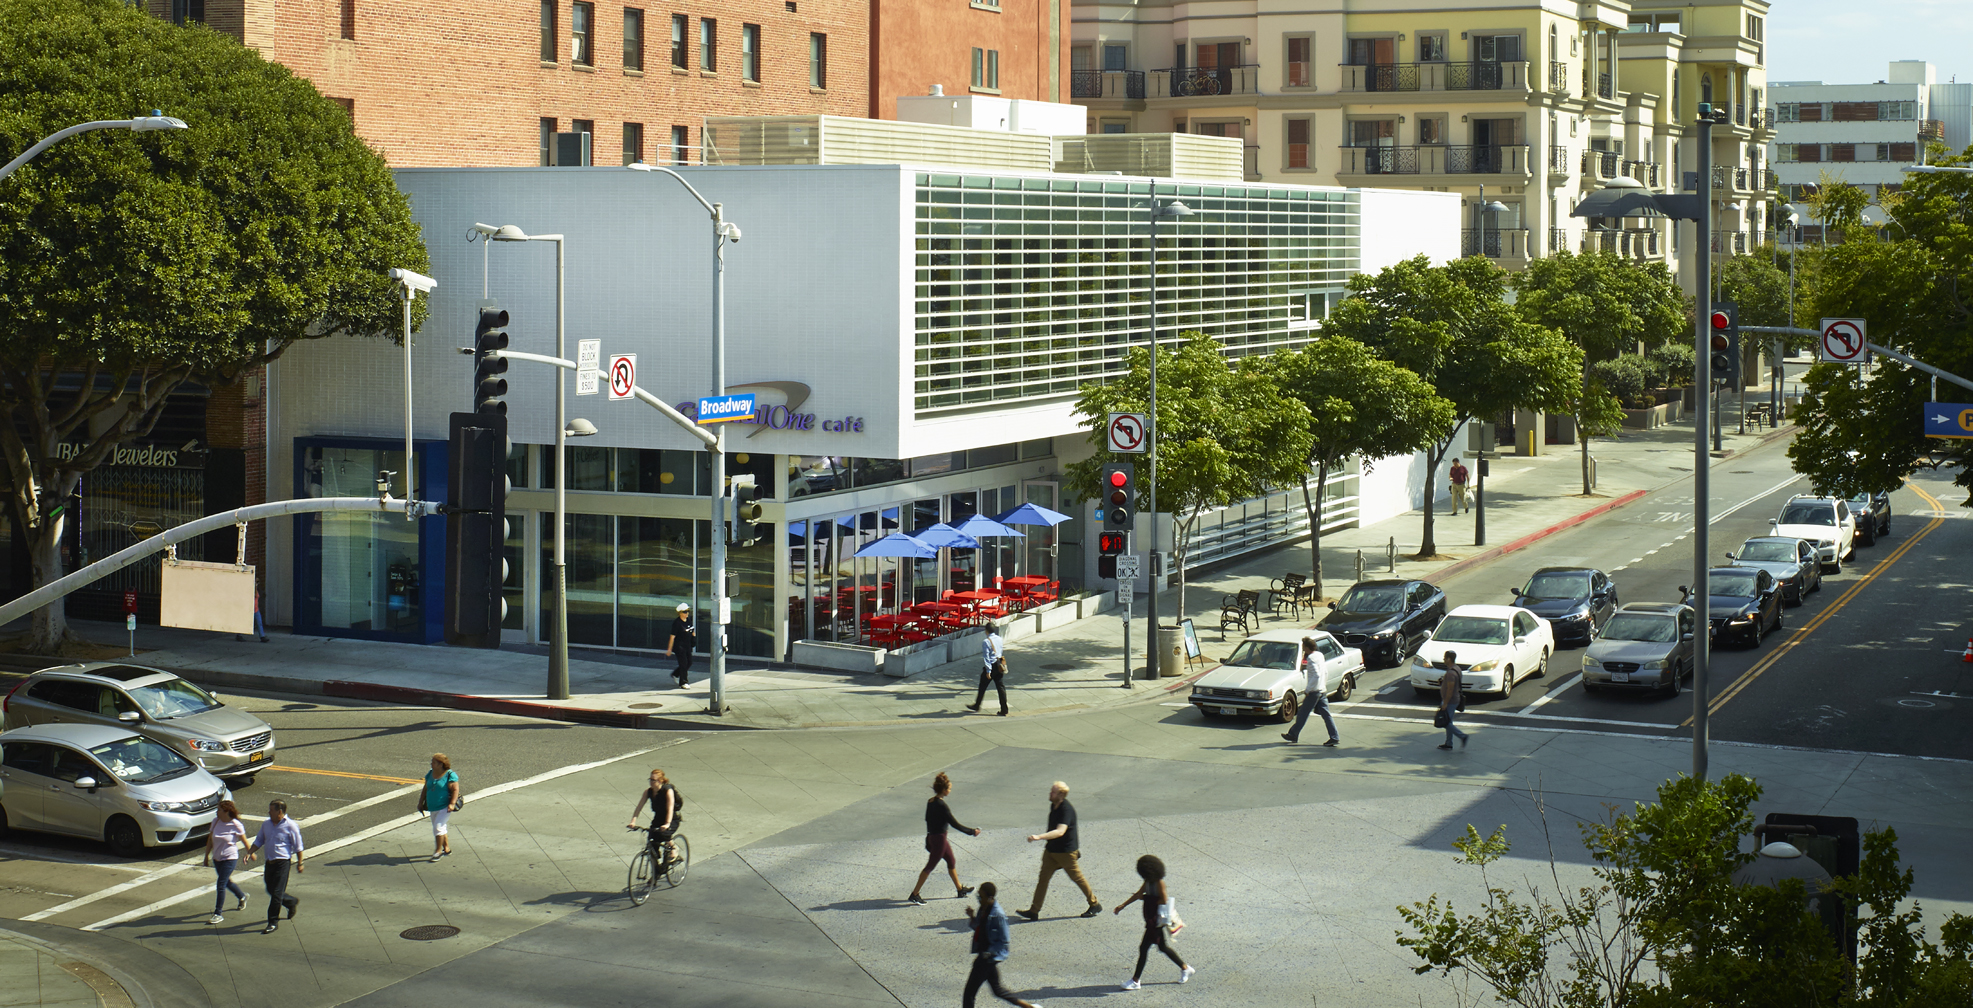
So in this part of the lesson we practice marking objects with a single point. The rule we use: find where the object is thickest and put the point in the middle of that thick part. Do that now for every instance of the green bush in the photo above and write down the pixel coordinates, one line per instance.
(1674, 363)
(1629, 378)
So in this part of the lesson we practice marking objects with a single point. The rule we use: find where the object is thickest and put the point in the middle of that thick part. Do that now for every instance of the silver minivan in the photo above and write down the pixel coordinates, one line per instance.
(223, 740)
(103, 783)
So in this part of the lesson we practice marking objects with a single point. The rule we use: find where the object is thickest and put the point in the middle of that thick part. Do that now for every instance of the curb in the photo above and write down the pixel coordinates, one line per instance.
(351, 690)
(1531, 538)
(113, 966)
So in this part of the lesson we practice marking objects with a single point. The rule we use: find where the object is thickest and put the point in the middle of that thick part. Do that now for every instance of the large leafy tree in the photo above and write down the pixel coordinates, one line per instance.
(131, 264)
(1605, 304)
(1452, 326)
(1359, 405)
(1222, 436)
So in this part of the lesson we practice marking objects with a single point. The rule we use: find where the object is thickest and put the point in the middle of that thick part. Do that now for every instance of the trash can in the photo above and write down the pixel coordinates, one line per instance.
(1171, 654)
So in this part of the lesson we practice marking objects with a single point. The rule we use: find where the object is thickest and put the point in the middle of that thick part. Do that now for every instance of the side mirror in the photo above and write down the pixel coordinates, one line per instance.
(85, 783)
(1520, 640)
(1685, 637)
(1773, 522)
(1729, 556)
(1332, 605)
(129, 716)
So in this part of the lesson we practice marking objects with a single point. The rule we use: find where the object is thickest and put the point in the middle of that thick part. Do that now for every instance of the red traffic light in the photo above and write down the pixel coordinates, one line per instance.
(1117, 478)
(1720, 321)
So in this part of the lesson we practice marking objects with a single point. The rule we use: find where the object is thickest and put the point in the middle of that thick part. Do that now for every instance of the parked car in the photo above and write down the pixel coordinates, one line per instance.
(1824, 521)
(1793, 562)
(1386, 620)
(1574, 600)
(1745, 604)
(1873, 514)
(1645, 646)
(103, 782)
(1261, 677)
(223, 740)
(1494, 646)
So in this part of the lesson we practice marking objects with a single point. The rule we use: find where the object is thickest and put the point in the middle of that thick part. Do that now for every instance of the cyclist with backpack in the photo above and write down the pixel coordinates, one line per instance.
(667, 806)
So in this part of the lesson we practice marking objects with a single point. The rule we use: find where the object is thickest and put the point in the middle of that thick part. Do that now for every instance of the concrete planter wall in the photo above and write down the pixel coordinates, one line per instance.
(835, 657)
(1016, 626)
(1097, 602)
(1050, 617)
(1645, 419)
(908, 661)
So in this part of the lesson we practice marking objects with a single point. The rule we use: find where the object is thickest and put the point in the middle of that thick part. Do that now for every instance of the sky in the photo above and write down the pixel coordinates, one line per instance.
(1851, 41)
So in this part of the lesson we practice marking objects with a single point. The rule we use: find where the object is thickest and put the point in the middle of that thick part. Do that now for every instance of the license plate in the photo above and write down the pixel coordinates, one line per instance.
(261, 757)
(1229, 710)
(1620, 677)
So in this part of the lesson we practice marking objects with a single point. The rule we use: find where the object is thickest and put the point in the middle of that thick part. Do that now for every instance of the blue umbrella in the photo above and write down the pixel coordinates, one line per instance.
(982, 527)
(945, 535)
(897, 544)
(1031, 514)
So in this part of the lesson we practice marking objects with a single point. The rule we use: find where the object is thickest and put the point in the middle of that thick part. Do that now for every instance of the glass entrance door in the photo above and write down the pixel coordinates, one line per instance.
(1041, 551)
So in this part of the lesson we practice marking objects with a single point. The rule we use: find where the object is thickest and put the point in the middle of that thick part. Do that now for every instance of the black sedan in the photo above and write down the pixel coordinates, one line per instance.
(1873, 511)
(1574, 601)
(1386, 620)
(1793, 562)
(1745, 604)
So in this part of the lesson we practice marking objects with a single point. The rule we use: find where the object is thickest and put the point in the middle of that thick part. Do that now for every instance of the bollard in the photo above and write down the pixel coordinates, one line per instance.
(1391, 554)
(1359, 566)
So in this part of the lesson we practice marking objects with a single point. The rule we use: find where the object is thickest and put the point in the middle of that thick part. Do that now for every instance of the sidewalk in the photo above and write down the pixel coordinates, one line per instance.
(1078, 666)
(58, 967)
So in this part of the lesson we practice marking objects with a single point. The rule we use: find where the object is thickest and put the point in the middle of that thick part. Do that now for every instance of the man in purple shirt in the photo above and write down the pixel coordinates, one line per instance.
(281, 838)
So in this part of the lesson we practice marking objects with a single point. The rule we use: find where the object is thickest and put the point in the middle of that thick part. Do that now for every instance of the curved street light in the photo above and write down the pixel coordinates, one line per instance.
(141, 124)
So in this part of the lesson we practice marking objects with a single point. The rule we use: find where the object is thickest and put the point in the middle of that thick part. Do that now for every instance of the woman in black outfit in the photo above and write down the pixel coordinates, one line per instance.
(937, 819)
(1156, 918)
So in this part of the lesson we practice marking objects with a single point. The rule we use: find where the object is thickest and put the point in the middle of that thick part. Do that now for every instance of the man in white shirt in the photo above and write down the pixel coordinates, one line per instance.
(1315, 693)
(994, 654)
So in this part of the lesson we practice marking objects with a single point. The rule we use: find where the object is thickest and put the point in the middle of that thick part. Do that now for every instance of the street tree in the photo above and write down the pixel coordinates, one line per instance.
(131, 264)
(1664, 923)
(1360, 405)
(1222, 436)
(1605, 304)
(1452, 326)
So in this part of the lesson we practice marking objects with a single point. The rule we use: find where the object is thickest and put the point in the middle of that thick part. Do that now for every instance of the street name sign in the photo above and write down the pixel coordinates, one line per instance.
(1842, 341)
(1126, 432)
(726, 408)
(1949, 420)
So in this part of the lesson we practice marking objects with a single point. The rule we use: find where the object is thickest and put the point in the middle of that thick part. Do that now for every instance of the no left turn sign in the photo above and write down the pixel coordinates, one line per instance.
(1127, 432)
(1842, 340)
(623, 375)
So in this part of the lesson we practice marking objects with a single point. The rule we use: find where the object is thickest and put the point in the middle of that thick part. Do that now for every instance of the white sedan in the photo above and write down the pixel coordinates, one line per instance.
(1261, 676)
(1493, 647)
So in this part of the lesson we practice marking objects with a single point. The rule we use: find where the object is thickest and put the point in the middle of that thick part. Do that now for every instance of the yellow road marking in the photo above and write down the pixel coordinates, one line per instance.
(339, 773)
(1800, 635)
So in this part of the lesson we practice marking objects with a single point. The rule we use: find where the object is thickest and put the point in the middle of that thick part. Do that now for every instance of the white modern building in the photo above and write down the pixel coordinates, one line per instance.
(1863, 134)
(916, 334)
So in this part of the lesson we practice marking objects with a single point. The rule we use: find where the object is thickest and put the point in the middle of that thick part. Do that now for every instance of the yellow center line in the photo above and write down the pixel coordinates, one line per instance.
(339, 773)
(1802, 634)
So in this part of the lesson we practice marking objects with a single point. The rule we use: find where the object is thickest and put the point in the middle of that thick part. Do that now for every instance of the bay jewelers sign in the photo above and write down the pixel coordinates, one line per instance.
(138, 455)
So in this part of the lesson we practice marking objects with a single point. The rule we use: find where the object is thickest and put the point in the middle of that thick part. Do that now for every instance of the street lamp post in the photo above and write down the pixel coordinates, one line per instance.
(723, 231)
(141, 124)
(412, 282)
(1626, 197)
(1174, 210)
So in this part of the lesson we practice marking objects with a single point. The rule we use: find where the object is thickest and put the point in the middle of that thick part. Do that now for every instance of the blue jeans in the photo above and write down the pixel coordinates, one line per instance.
(1317, 703)
(225, 870)
(1452, 729)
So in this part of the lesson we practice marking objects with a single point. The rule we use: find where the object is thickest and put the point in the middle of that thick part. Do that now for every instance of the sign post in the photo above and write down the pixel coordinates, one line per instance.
(130, 619)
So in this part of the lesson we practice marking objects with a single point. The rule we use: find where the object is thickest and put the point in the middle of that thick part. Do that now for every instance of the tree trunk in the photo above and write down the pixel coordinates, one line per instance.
(1583, 437)
(49, 628)
(1181, 548)
(1433, 456)
(1315, 525)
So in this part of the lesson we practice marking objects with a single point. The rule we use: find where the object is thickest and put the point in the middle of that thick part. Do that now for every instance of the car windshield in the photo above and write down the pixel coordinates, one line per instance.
(1573, 585)
(172, 698)
(1641, 627)
(1733, 583)
(1777, 552)
(1265, 654)
(137, 760)
(1472, 630)
(1372, 600)
(1861, 500)
(1808, 514)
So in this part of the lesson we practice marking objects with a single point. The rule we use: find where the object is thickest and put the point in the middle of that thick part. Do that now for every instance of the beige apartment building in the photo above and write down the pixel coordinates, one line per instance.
(1529, 104)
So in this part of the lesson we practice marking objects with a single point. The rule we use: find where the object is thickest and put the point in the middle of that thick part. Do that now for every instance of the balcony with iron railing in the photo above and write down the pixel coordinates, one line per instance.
(1204, 82)
(1602, 165)
(1558, 160)
(1558, 76)
(1767, 118)
(1494, 243)
(1931, 131)
(1603, 89)
(1117, 84)
(1729, 242)
(1558, 239)
(1484, 76)
(1435, 159)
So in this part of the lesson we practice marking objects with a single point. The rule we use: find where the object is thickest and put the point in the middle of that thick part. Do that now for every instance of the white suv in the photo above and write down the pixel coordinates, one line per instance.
(1824, 521)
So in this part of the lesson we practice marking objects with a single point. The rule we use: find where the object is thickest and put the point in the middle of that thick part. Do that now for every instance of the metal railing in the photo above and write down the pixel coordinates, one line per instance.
(1558, 159)
(1647, 172)
(1494, 243)
(1106, 83)
(1730, 242)
(1488, 76)
(1558, 76)
(1603, 85)
(1931, 129)
(1434, 159)
(1200, 82)
(1603, 165)
(1264, 522)
(1767, 117)
(1740, 115)
(1558, 239)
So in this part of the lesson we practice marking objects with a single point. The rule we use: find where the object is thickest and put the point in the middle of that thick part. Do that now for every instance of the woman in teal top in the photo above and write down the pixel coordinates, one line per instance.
(441, 797)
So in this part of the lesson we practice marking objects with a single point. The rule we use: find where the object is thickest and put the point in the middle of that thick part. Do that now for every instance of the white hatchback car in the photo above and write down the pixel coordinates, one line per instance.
(1260, 677)
(1493, 646)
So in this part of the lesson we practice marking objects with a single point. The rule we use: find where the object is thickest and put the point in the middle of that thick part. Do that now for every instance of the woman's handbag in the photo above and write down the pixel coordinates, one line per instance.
(1442, 718)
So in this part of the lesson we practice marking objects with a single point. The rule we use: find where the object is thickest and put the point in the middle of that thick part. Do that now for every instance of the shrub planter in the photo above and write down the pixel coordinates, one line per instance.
(916, 658)
(1060, 614)
(1017, 625)
(1645, 419)
(1091, 603)
(857, 658)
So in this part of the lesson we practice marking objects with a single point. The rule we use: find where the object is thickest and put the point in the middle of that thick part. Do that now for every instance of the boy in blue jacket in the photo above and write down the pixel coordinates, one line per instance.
(989, 948)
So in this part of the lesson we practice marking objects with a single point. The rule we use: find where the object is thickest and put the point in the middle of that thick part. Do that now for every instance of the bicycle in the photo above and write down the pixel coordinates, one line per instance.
(1204, 82)
(650, 866)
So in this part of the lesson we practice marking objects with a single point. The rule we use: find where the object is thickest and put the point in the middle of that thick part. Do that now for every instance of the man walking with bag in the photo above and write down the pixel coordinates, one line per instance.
(1451, 700)
(1315, 693)
(1062, 853)
(1457, 478)
(994, 653)
(281, 838)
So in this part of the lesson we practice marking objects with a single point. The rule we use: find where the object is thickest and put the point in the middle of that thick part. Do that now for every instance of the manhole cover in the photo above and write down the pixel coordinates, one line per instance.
(1916, 703)
(1058, 667)
(646, 706)
(429, 932)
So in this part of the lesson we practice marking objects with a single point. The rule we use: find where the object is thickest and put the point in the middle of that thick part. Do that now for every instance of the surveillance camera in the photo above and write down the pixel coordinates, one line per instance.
(415, 281)
(730, 231)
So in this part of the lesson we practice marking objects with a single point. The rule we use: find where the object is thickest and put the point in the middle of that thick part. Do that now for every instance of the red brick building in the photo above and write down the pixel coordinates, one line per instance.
(452, 83)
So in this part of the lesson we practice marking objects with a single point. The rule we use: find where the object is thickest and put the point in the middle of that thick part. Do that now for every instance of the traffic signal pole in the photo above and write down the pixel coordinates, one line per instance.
(1702, 386)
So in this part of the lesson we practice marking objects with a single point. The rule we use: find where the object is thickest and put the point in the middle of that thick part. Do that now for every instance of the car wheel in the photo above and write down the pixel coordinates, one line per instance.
(1507, 682)
(1777, 620)
(3, 821)
(1587, 688)
(1541, 669)
(1835, 567)
(124, 836)
(1670, 688)
(1288, 709)
(1343, 692)
(1207, 712)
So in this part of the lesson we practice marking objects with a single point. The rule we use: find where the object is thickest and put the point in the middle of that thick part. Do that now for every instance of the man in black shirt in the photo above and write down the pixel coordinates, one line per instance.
(681, 642)
(1061, 853)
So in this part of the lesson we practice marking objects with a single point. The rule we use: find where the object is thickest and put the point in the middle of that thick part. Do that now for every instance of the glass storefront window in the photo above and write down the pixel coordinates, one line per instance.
(654, 574)
(360, 572)
(627, 575)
